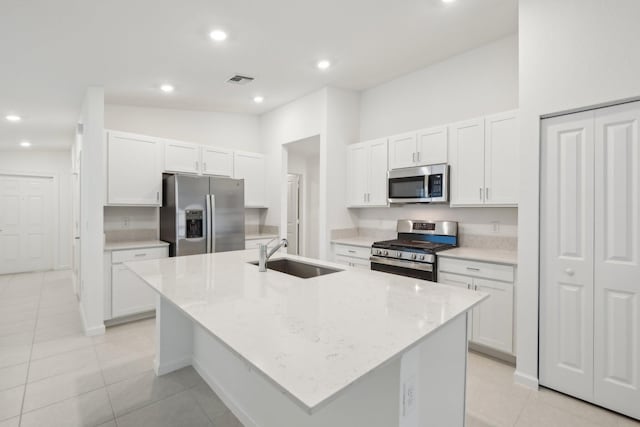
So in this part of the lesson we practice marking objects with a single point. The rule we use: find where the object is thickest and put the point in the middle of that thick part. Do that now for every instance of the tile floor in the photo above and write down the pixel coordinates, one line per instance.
(52, 375)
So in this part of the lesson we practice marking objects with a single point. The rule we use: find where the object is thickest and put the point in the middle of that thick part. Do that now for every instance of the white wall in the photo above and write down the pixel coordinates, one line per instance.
(480, 81)
(51, 163)
(573, 53)
(130, 218)
(228, 130)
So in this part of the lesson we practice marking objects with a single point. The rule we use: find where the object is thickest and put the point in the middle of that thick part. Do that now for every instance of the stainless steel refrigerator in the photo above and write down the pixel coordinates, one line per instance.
(202, 214)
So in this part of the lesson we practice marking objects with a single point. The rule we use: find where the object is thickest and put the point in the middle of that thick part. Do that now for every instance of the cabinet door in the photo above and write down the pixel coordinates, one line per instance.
(377, 182)
(133, 170)
(432, 146)
(501, 158)
(402, 151)
(566, 254)
(358, 174)
(250, 167)
(493, 318)
(181, 157)
(467, 162)
(617, 258)
(129, 294)
(460, 282)
(217, 161)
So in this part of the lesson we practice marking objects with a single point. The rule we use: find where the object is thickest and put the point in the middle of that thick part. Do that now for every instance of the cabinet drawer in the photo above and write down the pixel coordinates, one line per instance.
(353, 251)
(139, 254)
(353, 262)
(501, 272)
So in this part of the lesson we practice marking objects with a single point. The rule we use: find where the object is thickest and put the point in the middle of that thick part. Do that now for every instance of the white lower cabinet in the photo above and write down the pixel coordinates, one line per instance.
(491, 322)
(125, 293)
(352, 256)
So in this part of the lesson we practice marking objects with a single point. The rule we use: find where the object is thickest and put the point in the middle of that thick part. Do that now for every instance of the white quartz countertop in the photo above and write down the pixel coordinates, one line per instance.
(500, 256)
(260, 236)
(139, 244)
(362, 241)
(311, 337)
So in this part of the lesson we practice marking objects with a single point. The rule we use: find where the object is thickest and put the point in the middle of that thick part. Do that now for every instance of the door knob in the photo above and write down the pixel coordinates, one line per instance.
(569, 271)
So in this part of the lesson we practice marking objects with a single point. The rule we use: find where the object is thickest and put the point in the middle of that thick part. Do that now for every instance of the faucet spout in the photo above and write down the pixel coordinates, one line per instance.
(265, 253)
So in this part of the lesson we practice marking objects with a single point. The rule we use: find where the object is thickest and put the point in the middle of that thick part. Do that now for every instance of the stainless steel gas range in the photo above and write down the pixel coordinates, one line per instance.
(413, 253)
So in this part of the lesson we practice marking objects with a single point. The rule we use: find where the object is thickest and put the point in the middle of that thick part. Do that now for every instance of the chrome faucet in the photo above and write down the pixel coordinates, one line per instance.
(265, 253)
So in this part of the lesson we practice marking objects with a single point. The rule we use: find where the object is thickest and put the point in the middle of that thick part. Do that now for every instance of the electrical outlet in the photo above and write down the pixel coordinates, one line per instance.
(409, 396)
(125, 221)
(495, 226)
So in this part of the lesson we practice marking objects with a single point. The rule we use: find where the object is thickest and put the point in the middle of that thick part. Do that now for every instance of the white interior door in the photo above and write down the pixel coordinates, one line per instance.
(566, 255)
(293, 214)
(25, 224)
(617, 259)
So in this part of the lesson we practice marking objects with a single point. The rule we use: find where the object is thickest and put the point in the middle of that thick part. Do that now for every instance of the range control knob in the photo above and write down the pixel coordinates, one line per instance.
(421, 257)
(399, 254)
(413, 256)
(385, 253)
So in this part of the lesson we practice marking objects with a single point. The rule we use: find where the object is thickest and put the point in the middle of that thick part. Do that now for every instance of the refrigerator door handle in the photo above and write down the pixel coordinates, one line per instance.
(212, 220)
(208, 222)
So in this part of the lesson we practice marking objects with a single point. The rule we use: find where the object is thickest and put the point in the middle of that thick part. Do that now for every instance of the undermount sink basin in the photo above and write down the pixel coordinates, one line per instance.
(297, 268)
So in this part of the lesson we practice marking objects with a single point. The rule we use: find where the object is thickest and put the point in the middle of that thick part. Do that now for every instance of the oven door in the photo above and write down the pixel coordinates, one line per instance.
(409, 185)
(416, 270)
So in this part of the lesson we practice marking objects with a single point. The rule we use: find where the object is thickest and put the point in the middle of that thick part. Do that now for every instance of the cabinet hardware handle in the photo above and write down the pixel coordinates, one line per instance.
(140, 255)
(486, 193)
(157, 196)
(475, 287)
(204, 166)
(418, 154)
(196, 165)
(364, 197)
(480, 193)
(468, 286)
(413, 157)
(569, 271)
(351, 251)
(473, 269)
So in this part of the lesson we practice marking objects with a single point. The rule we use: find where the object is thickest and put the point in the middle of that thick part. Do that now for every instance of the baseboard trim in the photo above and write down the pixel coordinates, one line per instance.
(90, 331)
(171, 366)
(229, 401)
(526, 380)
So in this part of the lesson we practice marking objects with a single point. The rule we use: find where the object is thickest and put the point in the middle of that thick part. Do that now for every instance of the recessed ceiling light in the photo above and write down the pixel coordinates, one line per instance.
(25, 144)
(218, 35)
(166, 88)
(258, 99)
(324, 64)
(13, 118)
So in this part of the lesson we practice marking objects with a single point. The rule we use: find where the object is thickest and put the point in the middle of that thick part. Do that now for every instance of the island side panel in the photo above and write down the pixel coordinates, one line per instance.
(174, 338)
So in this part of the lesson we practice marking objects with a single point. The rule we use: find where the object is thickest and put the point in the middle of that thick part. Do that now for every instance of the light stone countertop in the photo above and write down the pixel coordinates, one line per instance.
(311, 338)
(260, 236)
(140, 244)
(361, 241)
(499, 256)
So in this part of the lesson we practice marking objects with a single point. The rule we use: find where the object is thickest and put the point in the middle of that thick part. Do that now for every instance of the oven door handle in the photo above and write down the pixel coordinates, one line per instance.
(403, 264)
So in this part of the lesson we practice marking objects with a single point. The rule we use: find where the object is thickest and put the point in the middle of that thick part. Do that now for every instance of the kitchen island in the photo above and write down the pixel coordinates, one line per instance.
(351, 348)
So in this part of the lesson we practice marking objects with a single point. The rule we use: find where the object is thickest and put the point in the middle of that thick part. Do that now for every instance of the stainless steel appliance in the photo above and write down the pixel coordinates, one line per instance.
(423, 184)
(202, 214)
(413, 253)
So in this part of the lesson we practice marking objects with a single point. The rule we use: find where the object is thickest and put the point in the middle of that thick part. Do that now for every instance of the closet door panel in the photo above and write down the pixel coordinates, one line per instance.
(566, 255)
(616, 267)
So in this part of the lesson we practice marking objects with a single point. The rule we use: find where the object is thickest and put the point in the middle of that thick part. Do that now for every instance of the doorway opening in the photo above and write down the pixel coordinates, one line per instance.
(303, 197)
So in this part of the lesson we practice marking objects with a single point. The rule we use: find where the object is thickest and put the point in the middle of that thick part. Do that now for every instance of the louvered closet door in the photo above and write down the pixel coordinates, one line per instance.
(566, 254)
(617, 259)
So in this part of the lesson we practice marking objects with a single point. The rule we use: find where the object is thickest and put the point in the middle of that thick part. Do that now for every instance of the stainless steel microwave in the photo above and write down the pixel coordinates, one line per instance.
(424, 184)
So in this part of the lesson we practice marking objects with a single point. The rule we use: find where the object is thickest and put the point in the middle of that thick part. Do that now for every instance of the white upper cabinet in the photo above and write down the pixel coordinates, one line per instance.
(431, 146)
(402, 151)
(217, 161)
(134, 173)
(251, 168)
(424, 147)
(367, 166)
(181, 157)
(502, 152)
(484, 160)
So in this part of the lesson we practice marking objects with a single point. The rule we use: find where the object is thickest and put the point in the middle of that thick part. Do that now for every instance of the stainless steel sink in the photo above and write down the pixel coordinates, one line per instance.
(296, 268)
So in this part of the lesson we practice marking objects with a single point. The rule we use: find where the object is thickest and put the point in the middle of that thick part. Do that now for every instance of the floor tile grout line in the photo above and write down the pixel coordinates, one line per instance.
(124, 414)
(104, 381)
(24, 391)
(64, 400)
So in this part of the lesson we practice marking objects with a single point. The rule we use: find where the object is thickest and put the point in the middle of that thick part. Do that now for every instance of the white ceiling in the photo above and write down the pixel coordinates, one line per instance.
(52, 50)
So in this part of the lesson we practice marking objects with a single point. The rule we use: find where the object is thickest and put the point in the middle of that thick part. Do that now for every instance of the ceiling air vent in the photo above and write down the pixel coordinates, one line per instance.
(239, 79)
